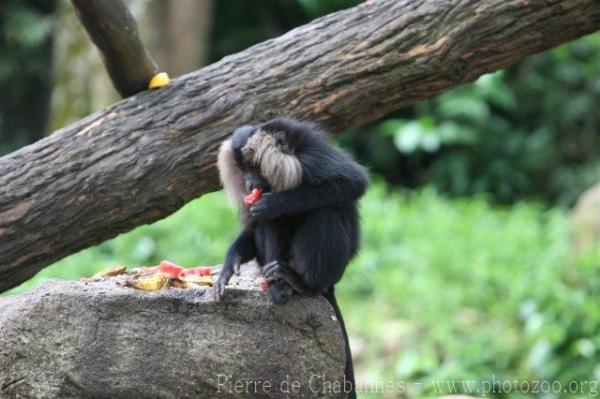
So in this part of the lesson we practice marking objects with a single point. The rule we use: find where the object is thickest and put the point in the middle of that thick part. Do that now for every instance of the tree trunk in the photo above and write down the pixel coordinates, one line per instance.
(113, 29)
(178, 33)
(144, 157)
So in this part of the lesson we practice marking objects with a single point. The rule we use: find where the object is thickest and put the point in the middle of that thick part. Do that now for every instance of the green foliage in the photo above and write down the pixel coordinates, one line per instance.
(459, 290)
(316, 8)
(242, 24)
(24, 31)
(530, 131)
(25, 72)
(442, 290)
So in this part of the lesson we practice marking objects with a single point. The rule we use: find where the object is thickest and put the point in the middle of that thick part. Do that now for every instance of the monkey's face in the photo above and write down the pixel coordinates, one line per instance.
(274, 154)
(270, 151)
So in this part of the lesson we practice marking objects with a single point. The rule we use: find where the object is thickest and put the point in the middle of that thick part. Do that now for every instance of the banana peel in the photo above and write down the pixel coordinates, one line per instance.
(160, 280)
(159, 80)
(198, 281)
(151, 283)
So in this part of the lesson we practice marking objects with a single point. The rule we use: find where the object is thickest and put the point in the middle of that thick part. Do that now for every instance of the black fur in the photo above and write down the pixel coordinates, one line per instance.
(303, 237)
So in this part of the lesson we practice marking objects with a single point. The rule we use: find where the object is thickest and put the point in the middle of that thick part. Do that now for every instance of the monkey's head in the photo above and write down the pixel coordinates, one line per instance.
(272, 149)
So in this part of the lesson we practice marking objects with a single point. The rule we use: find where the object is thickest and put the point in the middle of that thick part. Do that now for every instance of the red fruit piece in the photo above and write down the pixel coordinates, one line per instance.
(202, 271)
(197, 271)
(264, 285)
(253, 197)
(170, 268)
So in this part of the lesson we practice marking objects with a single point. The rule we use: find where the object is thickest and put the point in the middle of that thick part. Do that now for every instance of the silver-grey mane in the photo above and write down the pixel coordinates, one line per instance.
(232, 177)
(282, 171)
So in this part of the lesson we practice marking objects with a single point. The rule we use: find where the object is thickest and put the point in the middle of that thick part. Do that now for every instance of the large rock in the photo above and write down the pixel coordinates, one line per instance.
(100, 340)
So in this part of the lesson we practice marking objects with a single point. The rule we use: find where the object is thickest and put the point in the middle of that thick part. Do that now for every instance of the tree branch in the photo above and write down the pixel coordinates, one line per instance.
(113, 30)
(146, 156)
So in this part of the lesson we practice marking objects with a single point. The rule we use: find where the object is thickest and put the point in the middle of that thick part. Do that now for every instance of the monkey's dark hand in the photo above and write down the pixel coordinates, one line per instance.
(228, 269)
(269, 206)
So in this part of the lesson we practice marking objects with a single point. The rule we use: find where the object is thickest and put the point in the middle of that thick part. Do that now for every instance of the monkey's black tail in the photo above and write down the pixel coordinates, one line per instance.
(349, 372)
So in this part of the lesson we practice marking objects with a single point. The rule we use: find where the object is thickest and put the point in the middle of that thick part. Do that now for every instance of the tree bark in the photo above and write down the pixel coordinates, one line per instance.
(144, 157)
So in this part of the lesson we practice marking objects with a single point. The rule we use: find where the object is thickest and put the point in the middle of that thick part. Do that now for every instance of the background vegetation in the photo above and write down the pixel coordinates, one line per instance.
(467, 270)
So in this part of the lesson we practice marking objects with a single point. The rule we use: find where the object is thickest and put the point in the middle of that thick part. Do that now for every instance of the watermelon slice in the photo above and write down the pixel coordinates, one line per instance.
(264, 285)
(253, 197)
(170, 268)
(197, 271)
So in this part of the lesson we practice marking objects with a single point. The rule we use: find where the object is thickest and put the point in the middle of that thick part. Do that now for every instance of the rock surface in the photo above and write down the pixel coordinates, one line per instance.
(100, 340)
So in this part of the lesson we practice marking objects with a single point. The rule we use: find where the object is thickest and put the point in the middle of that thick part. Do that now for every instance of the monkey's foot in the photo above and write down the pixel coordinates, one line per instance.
(280, 292)
(278, 271)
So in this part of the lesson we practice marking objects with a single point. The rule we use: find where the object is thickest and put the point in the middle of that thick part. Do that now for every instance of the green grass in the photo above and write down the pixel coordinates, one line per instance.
(443, 289)
(458, 290)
